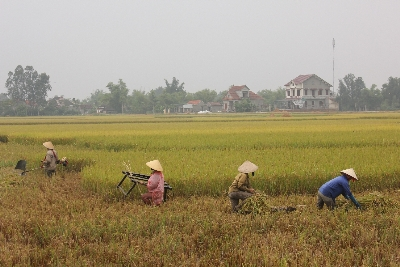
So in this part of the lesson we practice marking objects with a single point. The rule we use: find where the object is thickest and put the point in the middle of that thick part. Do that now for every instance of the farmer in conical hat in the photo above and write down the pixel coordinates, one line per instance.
(340, 185)
(240, 188)
(155, 184)
(50, 160)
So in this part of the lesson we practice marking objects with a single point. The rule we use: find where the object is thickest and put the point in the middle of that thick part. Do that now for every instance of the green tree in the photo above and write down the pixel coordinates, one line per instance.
(51, 108)
(371, 98)
(140, 102)
(154, 100)
(244, 105)
(16, 84)
(349, 95)
(391, 93)
(171, 101)
(98, 98)
(7, 108)
(118, 95)
(37, 86)
(29, 86)
(174, 86)
(206, 95)
(270, 96)
(220, 96)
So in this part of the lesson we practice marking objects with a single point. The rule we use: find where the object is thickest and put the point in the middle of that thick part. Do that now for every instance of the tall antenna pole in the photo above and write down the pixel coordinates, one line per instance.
(333, 82)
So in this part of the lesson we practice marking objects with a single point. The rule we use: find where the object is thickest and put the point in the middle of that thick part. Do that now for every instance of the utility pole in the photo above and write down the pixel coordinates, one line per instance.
(333, 82)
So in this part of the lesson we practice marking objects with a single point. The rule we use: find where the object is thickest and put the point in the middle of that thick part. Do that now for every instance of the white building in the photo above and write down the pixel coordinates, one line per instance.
(307, 92)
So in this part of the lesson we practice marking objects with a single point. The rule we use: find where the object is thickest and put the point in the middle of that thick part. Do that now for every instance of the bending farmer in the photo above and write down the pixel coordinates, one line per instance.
(240, 188)
(340, 185)
(50, 160)
(155, 184)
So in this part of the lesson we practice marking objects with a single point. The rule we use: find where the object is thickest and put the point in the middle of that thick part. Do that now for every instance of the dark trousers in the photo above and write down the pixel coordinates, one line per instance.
(322, 199)
(50, 173)
(236, 196)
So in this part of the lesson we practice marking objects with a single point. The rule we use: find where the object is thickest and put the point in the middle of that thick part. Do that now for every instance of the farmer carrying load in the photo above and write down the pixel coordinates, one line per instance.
(155, 184)
(340, 185)
(50, 160)
(240, 188)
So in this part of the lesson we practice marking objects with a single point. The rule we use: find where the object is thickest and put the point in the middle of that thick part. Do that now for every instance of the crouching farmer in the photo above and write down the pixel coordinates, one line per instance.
(240, 188)
(340, 185)
(155, 184)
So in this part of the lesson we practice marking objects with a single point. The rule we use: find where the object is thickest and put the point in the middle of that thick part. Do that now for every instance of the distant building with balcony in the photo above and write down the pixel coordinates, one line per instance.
(308, 92)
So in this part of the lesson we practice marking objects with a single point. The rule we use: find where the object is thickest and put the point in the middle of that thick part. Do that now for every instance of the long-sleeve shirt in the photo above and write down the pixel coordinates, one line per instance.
(155, 185)
(50, 161)
(335, 187)
(241, 183)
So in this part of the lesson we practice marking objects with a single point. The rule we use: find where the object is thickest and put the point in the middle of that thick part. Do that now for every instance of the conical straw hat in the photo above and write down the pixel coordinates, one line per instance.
(247, 167)
(350, 172)
(155, 165)
(48, 145)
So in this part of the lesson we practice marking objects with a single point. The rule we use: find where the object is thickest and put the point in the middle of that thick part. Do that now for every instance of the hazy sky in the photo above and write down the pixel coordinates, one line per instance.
(83, 45)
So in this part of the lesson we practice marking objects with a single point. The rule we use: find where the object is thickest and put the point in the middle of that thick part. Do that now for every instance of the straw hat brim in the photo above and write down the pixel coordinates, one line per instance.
(247, 167)
(155, 165)
(48, 145)
(350, 172)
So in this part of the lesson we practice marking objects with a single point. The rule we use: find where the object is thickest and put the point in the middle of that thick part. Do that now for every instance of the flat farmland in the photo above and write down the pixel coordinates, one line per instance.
(79, 218)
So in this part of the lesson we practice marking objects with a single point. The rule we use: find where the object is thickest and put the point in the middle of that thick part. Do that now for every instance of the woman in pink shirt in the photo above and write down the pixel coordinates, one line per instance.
(155, 184)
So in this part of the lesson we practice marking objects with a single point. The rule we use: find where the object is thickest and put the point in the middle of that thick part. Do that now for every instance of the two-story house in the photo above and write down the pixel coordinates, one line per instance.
(239, 93)
(308, 92)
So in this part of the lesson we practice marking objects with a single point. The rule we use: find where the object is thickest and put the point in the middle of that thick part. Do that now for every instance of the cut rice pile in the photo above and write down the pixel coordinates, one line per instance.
(372, 200)
(258, 204)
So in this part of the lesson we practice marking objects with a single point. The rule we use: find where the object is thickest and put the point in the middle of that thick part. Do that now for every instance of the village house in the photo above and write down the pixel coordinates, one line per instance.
(214, 106)
(308, 92)
(239, 93)
(194, 106)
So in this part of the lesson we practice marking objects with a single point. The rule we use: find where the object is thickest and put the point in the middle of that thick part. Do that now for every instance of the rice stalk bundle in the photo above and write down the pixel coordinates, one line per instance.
(258, 204)
(372, 200)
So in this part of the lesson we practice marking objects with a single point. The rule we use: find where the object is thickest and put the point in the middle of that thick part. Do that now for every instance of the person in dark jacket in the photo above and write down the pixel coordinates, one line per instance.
(241, 188)
(340, 185)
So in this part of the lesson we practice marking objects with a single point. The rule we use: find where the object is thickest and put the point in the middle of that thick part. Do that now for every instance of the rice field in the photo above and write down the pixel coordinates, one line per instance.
(79, 218)
(200, 154)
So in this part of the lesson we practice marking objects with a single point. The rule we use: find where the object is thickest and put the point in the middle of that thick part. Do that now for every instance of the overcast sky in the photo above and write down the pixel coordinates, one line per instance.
(83, 45)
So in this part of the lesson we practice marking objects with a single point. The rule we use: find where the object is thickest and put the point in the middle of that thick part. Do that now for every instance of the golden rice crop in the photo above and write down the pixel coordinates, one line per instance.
(200, 155)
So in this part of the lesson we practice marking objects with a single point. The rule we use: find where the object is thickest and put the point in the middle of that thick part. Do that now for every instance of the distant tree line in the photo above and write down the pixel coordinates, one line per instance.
(171, 96)
(353, 95)
(27, 91)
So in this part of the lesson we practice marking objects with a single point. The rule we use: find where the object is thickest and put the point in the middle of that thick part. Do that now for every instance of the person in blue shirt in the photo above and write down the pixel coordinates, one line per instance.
(340, 185)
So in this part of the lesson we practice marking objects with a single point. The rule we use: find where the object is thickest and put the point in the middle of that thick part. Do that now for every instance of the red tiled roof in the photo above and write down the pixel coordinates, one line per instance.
(232, 95)
(302, 78)
(237, 87)
(254, 96)
(194, 102)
